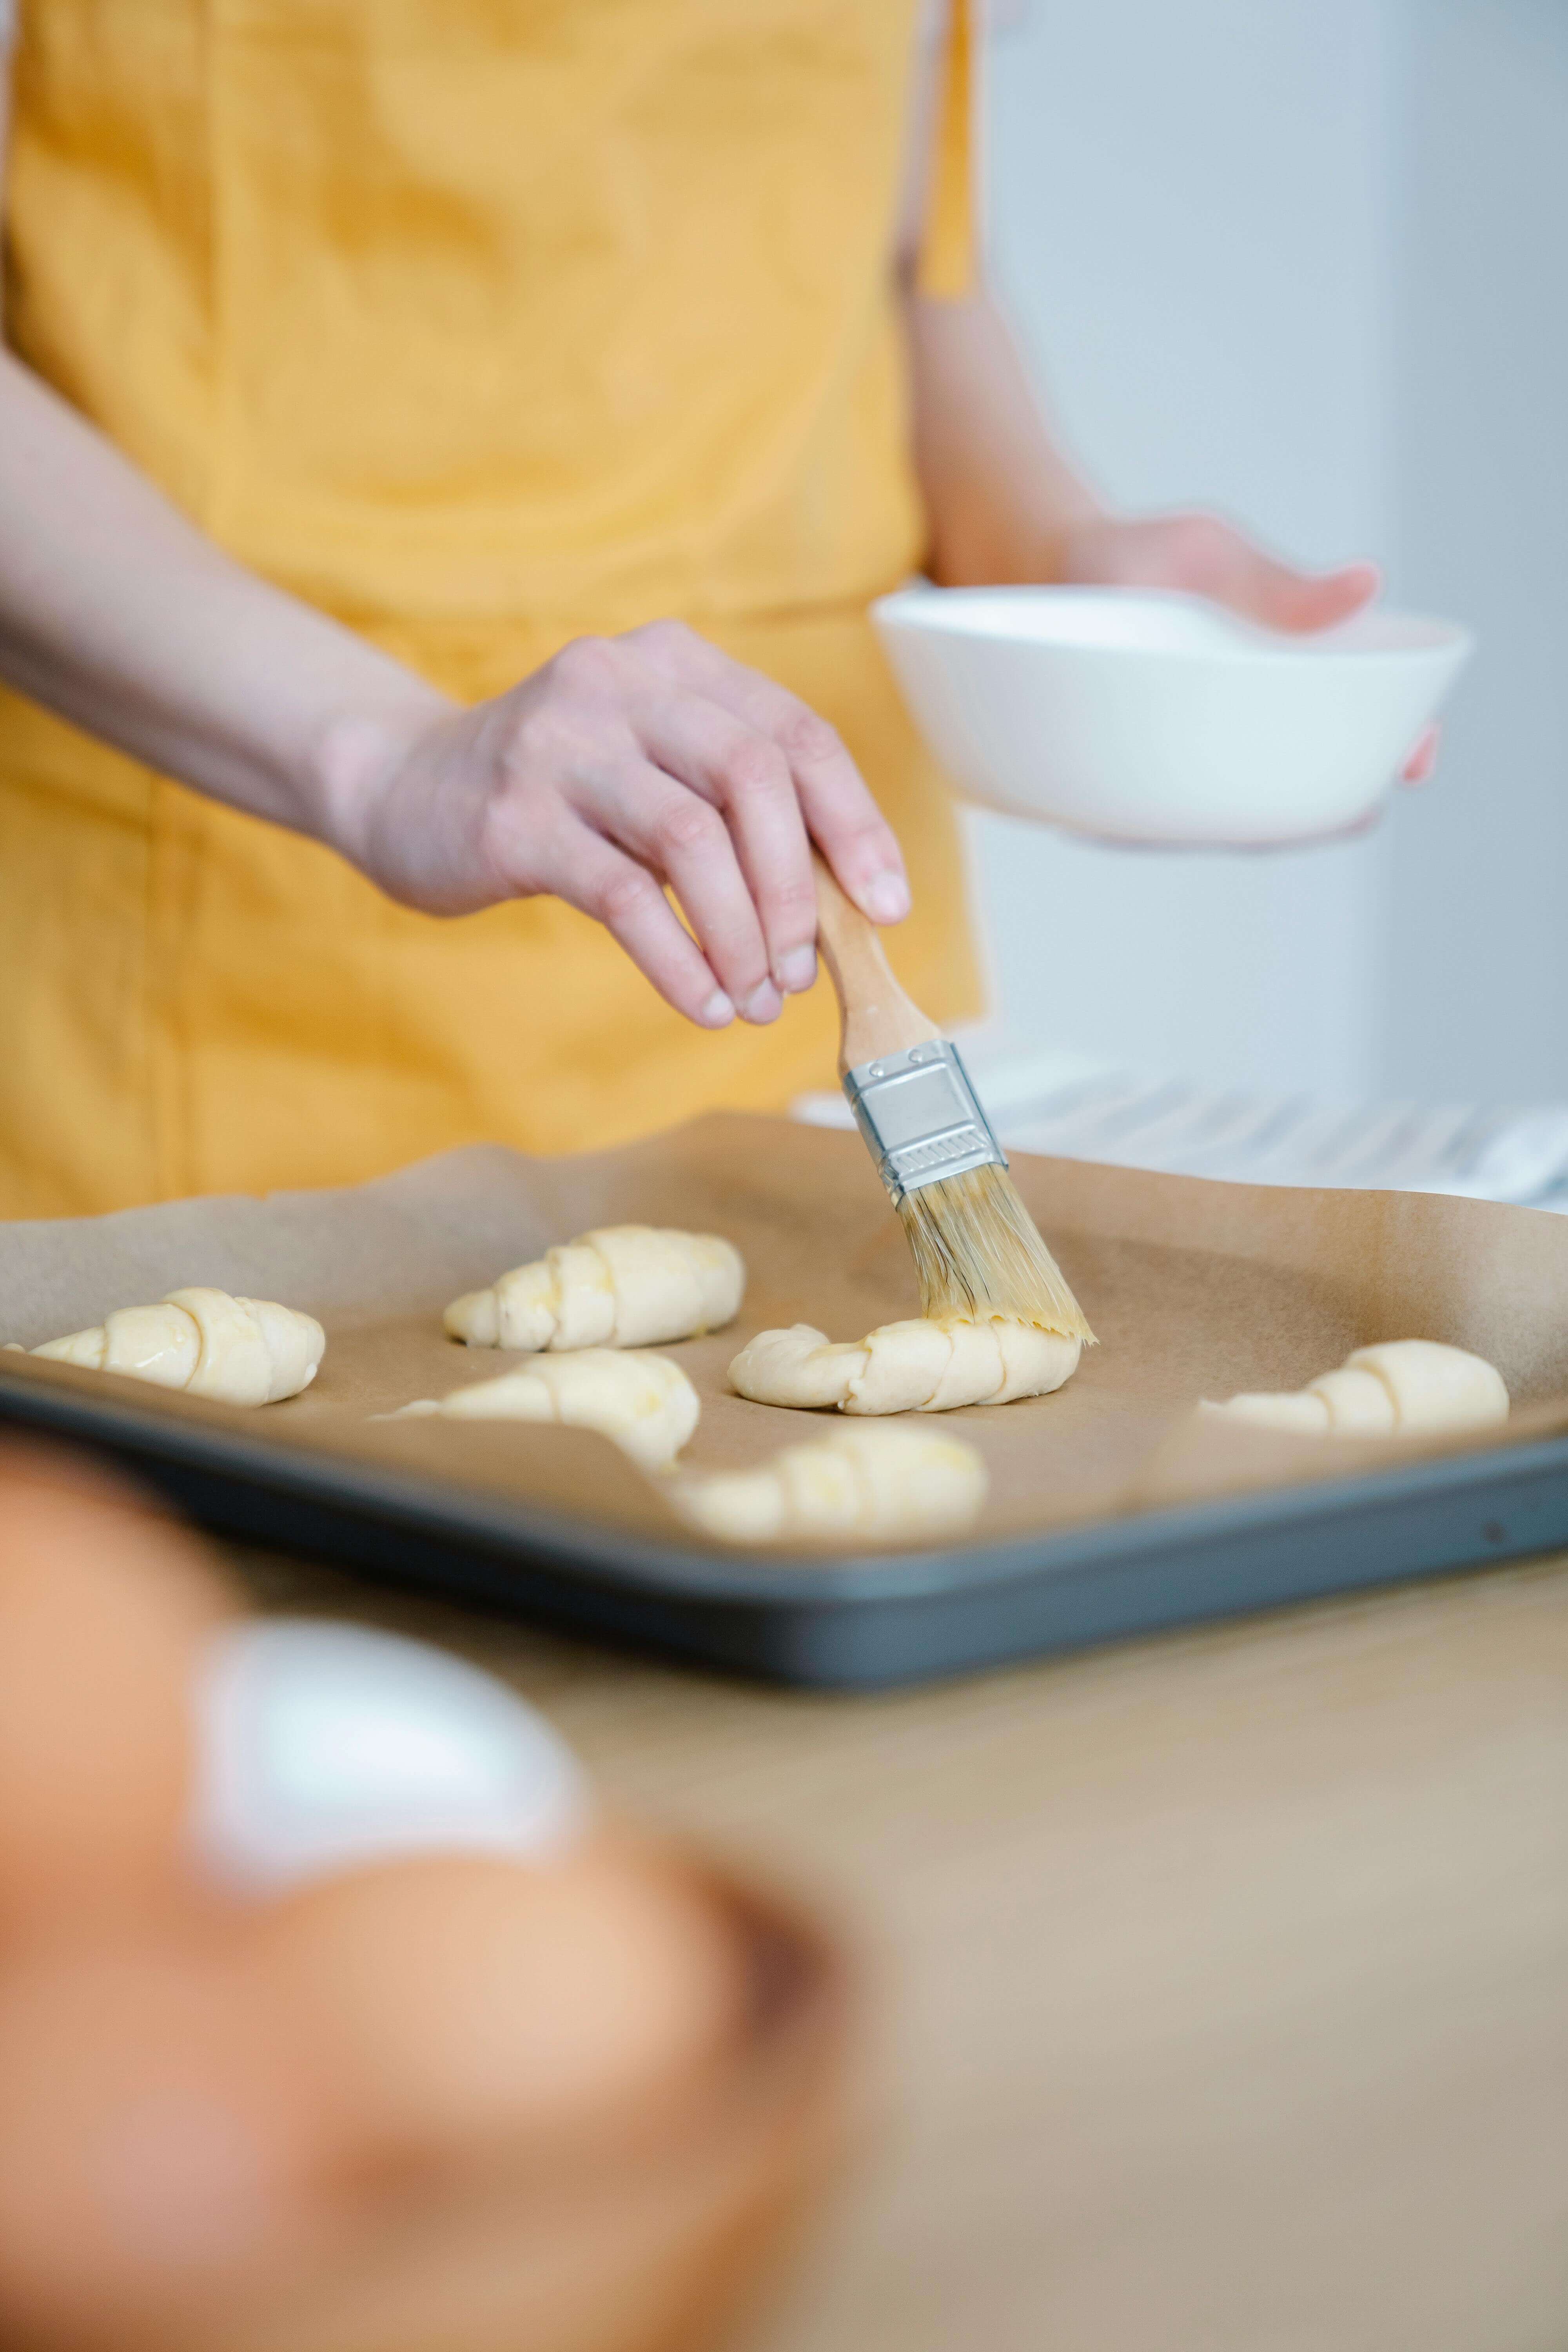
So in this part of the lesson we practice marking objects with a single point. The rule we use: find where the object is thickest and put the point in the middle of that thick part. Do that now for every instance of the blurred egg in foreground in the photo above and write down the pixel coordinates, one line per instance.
(106, 1612)
(166, 2135)
(466, 1998)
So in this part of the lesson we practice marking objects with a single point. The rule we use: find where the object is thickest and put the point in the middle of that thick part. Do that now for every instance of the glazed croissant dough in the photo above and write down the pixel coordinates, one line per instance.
(645, 1402)
(620, 1287)
(238, 1350)
(1400, 1386)
(867, 1482)
(920, 1366)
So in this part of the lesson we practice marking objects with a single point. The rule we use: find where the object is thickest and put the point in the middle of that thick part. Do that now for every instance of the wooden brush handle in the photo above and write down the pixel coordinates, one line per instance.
(877, 1017)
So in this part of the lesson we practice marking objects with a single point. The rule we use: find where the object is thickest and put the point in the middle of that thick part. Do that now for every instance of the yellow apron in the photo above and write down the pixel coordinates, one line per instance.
(479, 323)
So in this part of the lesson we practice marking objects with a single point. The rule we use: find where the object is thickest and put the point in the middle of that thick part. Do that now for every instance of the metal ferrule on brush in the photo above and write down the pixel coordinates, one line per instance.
(921, 1117)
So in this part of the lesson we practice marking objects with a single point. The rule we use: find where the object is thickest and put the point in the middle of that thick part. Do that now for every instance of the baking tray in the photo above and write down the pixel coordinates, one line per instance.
(1164, 1521)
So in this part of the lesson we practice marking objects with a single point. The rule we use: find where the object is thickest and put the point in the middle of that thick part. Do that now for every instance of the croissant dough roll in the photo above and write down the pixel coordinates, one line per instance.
(799, 1367)
(237, 1350)
(1400, 1386)
(919, 1366)
(1357, 1402)
(867, 1482)
(1435, 1387)
(645, 1402)
(619, 1286)
(1300, 1410)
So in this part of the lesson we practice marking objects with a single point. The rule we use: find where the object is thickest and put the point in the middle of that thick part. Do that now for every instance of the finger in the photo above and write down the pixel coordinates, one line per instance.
(1423, 759)
(1297, 600)
(673, 830)
(840, 813)
(1206, 556)
(747, 778)
(591, 873)
(1209, 557)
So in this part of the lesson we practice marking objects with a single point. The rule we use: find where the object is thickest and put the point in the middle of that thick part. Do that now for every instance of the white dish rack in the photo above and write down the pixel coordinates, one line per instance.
(1076, 1107)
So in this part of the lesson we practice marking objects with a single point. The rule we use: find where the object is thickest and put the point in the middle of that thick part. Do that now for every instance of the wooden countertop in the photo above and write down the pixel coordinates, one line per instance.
(1221, 1980)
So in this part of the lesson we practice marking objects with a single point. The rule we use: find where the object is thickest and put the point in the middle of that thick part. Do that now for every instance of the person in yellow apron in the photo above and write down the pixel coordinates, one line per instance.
(458, 440)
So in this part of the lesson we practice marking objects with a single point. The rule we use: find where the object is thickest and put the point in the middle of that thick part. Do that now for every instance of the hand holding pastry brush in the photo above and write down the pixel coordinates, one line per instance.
(976, 1249)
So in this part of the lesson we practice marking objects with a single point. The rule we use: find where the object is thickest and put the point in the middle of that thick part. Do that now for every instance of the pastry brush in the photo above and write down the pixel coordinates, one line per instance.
(976, 1249)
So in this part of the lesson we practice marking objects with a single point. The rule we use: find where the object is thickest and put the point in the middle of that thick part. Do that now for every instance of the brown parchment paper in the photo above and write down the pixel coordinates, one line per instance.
(1193, 1288)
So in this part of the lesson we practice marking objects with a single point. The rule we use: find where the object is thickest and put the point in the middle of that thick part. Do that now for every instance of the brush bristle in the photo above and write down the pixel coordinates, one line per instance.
(978, 1252)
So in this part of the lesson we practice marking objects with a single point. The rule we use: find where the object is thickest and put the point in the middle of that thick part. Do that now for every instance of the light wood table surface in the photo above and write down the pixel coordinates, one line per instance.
(1219, 1983)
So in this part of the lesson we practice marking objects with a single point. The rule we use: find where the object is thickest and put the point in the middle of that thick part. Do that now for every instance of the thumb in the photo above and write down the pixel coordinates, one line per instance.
(1299, 601)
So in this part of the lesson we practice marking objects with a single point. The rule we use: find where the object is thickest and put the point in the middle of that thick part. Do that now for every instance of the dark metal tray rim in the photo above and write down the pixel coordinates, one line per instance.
(676, 1571)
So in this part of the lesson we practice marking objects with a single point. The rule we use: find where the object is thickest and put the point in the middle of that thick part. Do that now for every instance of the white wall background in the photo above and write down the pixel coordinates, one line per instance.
(1305, 261)
(1478, 987)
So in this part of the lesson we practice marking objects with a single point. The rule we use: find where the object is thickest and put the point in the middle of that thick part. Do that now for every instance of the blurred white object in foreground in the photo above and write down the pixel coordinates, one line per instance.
(1149, 717)
(1074, 1107)
(323, 1748)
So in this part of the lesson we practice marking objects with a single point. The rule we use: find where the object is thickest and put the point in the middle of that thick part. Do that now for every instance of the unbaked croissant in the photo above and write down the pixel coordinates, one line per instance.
(645, 1402)
(1399, 1387)
(868, 1482)
(619, 1286)
(238, 1350)
(920, 1366)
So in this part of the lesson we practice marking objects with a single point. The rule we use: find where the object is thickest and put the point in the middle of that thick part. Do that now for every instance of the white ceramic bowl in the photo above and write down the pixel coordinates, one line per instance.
(1138, 716)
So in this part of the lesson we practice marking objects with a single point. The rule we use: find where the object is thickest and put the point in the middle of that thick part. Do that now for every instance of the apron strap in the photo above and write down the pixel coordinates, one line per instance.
(949, 255)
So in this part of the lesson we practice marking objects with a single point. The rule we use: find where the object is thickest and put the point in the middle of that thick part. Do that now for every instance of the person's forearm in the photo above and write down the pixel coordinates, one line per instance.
(119, 615)
(1001, 499)
(621, 769)
(1003, 504)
